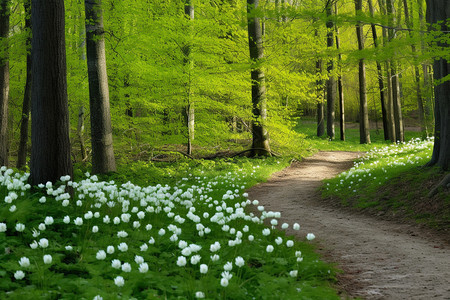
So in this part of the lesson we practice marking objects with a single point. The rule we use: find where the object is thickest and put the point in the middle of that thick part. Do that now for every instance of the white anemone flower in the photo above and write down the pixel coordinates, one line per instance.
(143, 268)
(310, 236)
(101, 255)
(203, 268)
(47, 259)
(181, 261)
(19, 275)
(116, 264)
(199, 295)
(126, 267)
(24, 262)
(289, 243)
(119, 281)
(269, 249)
(228, 266)
(43, 243)
(239, 261)
(293, 273)
(20, 227)
(138, 259)
(123, 247)
(3, 227)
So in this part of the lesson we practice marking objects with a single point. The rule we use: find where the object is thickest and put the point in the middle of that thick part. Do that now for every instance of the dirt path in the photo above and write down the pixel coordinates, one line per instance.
(380, 259)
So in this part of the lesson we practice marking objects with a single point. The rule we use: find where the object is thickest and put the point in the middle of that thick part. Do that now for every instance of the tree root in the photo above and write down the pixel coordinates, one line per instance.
(445, 184)
(251, 149)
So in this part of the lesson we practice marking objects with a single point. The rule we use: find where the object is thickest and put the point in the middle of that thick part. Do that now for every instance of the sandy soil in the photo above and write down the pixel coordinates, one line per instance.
(381, 259)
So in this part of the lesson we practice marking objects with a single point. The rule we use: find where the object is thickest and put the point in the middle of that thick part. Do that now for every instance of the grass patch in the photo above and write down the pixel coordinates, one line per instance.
(179, 231)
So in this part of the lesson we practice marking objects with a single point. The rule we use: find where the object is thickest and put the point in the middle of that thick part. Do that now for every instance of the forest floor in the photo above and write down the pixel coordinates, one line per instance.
(380, 259)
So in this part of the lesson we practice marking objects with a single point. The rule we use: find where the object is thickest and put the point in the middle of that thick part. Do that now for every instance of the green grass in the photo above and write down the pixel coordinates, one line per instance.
(194, 191)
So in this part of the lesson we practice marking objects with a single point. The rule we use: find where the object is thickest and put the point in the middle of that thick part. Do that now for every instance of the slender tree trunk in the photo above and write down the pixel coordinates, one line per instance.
(439, 11)
(319, 95)
(364, 133)
(22, 153)
(80, 132)
(331, 83)
(340, 86)
(103, 160)
(380, 77)
(4, 81)
(189, 109)
(260, 143)
(50, 149)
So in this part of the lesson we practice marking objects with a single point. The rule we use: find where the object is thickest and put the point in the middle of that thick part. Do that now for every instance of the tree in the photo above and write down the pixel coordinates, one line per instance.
(50, 150)
(438, 13)
(340, 86)
(364, 133)
(103, 160)
(4, 81)
(22, 152)
(331, 82)
(260, 138)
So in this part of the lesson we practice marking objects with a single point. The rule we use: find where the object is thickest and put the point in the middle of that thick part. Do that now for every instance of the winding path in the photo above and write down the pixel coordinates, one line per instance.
(380, 259)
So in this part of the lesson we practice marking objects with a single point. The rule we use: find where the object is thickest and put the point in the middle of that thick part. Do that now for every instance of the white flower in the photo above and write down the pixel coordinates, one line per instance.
(123, 247)
(144, 247)
(78, 221)
(94, 229)
(227, 275)
(98, 297)
(125, 217)
(24, 262)
(266, 231)
(274, 222)
(298, 253)
(106, 219)
(228, 266)
(195, 259)
(42, 227)
(151, 241)
(116, 220)
(141, 215)
(110, 249)
(136, 224)
(269, 248)
(119, 281)
(279, 240)
(310, 236)
(203, 269)
(69, 248)
(285, 226)
(88, 215)
(148, 227)
(42, 199)
(43, 243)
(12, 208)
(66, 220)
(138, 259)
(182, 244)
(126, 267)
(101, 255)
(20, 227)
(239, 261)
(3, 227)
(161, 232)
(47, 259)
(293, 273)
(199, 295)
(224, 282)
(19, 275)
(289, 243)
(215, 257)
(181, 261)
(251, 238)
(186, 251)
(122, 234)
(296, 226)
(116, 264)
(214, 247)
(65, 203)
(48, 220)
(143, 267)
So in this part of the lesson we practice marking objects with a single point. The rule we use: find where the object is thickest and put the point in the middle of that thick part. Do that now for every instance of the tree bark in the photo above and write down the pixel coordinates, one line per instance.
(103, 160)
(320, 106)
(4, 82)
(439, 11)
(331, 83)
(189, 109)
(260, 137)
(380, 77)
(364, 133)
(50, 151)
(22, 153)
(340, 86)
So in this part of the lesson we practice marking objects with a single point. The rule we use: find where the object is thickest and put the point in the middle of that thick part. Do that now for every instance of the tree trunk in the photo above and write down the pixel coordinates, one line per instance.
(50, 149)
(4, 81)
(260, 143)
(364, 133)
(331, 83)
(320, 106)
(22, 153)
(439, 10)
(380, 77)
(103, 160)
(189, 109)
(80, 132)
(340, 87)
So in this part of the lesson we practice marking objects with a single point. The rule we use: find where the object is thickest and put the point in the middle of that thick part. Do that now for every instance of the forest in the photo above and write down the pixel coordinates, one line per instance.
(147, 122)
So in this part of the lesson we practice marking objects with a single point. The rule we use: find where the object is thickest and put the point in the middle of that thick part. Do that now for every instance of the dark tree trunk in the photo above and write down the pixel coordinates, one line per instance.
(22, 153)
(439, 11)
(4, 81)
(340, 87)
(50, 149)
(364, 133)
(331, 83)
(189, 108)
(103, 160)
(260, 142)
(320, 106)
(380, 77)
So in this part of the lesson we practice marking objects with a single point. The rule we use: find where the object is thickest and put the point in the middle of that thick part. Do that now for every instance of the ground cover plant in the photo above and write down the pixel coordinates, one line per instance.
(391, 181)
(192, 238)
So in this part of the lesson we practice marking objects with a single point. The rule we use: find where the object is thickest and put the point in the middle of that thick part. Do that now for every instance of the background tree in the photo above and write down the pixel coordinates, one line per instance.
(189, 109)
(103, 160)
(50, 151)
(4, 81)
(331, 82)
